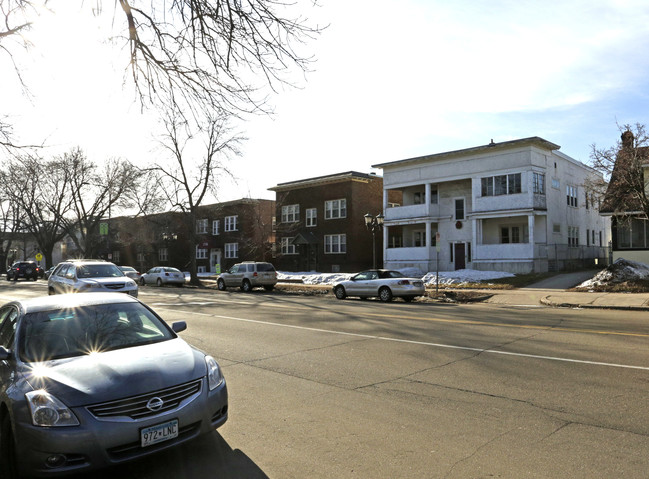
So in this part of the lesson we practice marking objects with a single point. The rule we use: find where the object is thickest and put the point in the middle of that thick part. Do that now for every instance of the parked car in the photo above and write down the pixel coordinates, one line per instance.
(248, 275)
(23, 269)
(161, 275)
(85, 276)
(381, 283)
(48, 272)
(62, 415)
(131, 272)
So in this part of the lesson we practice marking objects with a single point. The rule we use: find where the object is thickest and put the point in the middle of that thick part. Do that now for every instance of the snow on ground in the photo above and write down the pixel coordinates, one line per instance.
(620, 271)
(445, 277)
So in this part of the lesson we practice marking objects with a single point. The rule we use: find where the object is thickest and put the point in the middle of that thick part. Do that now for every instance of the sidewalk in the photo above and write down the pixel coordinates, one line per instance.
(570, 299)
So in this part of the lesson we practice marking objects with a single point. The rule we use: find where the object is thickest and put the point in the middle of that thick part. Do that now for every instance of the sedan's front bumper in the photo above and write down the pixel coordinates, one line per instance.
(98, 443)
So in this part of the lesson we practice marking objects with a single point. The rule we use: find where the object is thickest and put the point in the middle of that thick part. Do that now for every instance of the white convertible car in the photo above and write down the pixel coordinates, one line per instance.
(381, 283)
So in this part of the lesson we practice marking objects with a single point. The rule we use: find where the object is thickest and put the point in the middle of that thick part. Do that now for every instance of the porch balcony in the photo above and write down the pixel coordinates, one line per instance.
(509, 251)
(411, 211)
(409, 254)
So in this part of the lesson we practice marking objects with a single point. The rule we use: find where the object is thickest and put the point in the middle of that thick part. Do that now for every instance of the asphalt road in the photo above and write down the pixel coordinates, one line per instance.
(321, 388)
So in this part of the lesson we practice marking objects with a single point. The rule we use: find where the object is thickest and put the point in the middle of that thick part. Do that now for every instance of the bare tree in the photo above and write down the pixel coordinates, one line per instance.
(186, 181)
(208, 55)
(625, 192)
(39, 189)
(96, 193)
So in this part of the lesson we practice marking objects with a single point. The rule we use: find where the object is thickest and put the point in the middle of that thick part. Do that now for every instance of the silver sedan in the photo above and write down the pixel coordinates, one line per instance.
(92, 380)
(382, 283)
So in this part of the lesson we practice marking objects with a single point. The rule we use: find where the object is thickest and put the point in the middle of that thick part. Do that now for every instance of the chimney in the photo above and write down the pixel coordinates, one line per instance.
(627, 140)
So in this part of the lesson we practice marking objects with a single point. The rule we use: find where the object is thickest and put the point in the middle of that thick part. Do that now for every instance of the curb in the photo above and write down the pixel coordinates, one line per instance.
(549, 303)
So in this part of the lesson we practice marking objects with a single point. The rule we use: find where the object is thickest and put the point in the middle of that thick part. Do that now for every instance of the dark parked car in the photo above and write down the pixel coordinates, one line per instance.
(23, 269)
(92, 380)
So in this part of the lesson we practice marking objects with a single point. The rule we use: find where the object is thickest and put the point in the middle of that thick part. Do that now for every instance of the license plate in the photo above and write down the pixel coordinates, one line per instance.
(159, 433)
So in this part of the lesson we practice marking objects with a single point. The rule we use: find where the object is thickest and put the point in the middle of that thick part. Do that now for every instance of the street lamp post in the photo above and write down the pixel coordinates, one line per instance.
(374, 224)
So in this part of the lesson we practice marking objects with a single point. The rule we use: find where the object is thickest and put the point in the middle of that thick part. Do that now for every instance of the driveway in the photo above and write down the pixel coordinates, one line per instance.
(564, 280)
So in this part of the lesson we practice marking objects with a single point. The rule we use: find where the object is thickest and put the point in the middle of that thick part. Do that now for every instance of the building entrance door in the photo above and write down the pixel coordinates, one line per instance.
(215, 261)
(460, 256)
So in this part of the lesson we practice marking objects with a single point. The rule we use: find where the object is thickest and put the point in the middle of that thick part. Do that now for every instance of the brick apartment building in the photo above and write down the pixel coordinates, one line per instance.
(321, 225)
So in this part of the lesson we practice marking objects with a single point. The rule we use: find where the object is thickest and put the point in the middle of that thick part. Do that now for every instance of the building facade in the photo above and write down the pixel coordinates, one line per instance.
(626, 202)
(321, 225)
(223, 234)
(519, 206)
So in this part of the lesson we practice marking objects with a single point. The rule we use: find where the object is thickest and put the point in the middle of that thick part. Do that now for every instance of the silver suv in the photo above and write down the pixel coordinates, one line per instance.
(248, 275)
(86, 276)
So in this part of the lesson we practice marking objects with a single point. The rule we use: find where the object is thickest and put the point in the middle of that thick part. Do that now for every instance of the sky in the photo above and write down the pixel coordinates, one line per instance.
(394, 79)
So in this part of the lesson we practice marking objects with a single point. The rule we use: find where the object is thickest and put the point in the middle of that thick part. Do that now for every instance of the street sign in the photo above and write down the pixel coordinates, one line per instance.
(39, 257)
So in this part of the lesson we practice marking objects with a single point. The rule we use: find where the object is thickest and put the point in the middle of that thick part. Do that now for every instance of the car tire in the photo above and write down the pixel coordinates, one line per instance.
(221, 285)
(142, 282)
(8, 468)
(340, 293)
(159, 282)
(246, 287)
(50, 291)
(385, 294)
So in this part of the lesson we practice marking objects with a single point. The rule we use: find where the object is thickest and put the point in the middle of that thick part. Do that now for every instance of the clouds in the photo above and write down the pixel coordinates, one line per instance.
(393, 79)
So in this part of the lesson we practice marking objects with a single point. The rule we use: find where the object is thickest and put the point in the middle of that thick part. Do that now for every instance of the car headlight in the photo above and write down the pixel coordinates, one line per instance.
(85, 286)
(48, 411)
(214, 375)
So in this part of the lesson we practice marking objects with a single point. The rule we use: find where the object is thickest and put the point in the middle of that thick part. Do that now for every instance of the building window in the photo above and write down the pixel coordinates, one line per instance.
(290, 213)
(201, 253)
(216, 224)
(116, 257)
(231, 223)
(573, 236)
(556, 184)
(163, 254)
(231, 250)
(539, 183)
(420, 238)
(395, 241)
(632, 233)
(501, 185)
(335, 244)
(287, 246)
(201, 226)
(459, 209)
(434, 198)
(571, 196)
(556, 227)
(419, 198)
(311, 217)
(201, 269)
(335, 209)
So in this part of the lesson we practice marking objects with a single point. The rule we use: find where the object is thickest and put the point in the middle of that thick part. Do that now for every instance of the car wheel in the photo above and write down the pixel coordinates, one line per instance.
(340, 293)
(246, 287)
(385, 294)
(159, 282)
(7, 450)
(142, 282)
(51, 291)
(221, 285)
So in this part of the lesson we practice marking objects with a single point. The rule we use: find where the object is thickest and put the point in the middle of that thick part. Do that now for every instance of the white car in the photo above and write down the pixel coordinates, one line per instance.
(89, 276)
(380, 283)
(161, 275)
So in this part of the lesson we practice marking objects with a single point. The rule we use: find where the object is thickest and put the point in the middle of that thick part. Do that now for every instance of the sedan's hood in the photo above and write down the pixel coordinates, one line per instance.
(115, 374)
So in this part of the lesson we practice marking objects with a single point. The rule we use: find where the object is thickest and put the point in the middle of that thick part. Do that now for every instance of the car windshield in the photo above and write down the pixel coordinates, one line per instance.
(98, 271)
(65, 333)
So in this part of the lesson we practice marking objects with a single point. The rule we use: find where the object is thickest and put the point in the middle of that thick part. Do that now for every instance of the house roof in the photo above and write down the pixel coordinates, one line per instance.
(322, 180)
(621, 193)
(491, 147)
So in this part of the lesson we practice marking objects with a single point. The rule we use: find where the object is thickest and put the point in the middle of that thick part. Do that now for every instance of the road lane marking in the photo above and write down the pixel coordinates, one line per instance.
(420, 343)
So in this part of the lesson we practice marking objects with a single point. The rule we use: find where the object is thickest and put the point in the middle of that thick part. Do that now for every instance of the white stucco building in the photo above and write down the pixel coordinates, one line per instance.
(520, 206)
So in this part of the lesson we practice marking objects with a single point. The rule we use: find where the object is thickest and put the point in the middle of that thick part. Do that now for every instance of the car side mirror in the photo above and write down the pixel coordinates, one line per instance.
(179, 326)
(4, 353)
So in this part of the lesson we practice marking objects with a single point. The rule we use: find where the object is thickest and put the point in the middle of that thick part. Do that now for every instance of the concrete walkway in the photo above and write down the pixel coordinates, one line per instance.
(552, 292)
